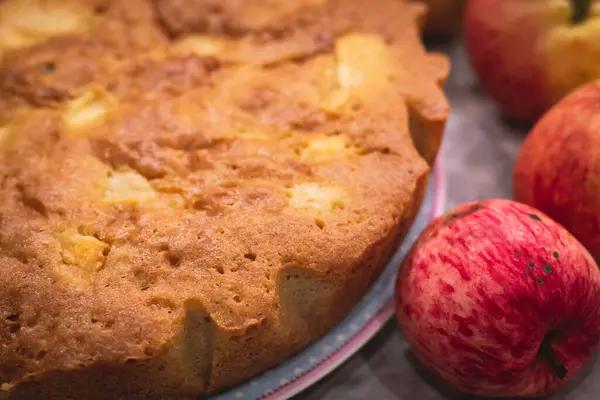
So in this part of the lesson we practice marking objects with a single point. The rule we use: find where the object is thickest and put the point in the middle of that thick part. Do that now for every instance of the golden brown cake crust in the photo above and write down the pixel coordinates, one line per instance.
(193, 190)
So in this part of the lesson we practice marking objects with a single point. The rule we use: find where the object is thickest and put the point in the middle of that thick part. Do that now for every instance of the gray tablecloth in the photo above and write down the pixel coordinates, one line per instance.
(479, 150)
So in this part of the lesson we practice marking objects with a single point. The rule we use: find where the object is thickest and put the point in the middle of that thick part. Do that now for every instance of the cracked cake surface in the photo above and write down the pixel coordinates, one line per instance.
(193, 190)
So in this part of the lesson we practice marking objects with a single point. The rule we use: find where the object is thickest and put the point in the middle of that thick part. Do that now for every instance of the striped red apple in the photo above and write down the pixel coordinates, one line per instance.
(499, 300)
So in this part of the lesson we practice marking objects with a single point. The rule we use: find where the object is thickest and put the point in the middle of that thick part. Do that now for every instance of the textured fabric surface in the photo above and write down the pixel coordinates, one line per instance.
(479, 149)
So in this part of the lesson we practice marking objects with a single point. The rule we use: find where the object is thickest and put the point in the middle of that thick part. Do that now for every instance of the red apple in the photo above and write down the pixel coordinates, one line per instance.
(558, 167)
(499, 300)
(530, 54)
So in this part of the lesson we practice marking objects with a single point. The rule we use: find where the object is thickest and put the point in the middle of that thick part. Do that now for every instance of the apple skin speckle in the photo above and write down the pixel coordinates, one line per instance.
(485, 288)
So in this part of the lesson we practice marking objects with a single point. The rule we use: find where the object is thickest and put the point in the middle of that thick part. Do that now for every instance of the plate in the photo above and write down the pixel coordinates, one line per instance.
(346, 338)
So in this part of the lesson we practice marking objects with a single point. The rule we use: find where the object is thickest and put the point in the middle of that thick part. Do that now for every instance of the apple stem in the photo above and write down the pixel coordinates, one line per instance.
(552, 358)
(581, 9)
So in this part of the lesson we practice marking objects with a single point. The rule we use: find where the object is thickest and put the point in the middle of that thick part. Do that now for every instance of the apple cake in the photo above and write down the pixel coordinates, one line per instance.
(191, 191)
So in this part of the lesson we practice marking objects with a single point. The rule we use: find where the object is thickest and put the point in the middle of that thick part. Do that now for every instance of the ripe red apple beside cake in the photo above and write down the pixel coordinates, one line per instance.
(192, 191)
(499, 300)
(557, 170)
